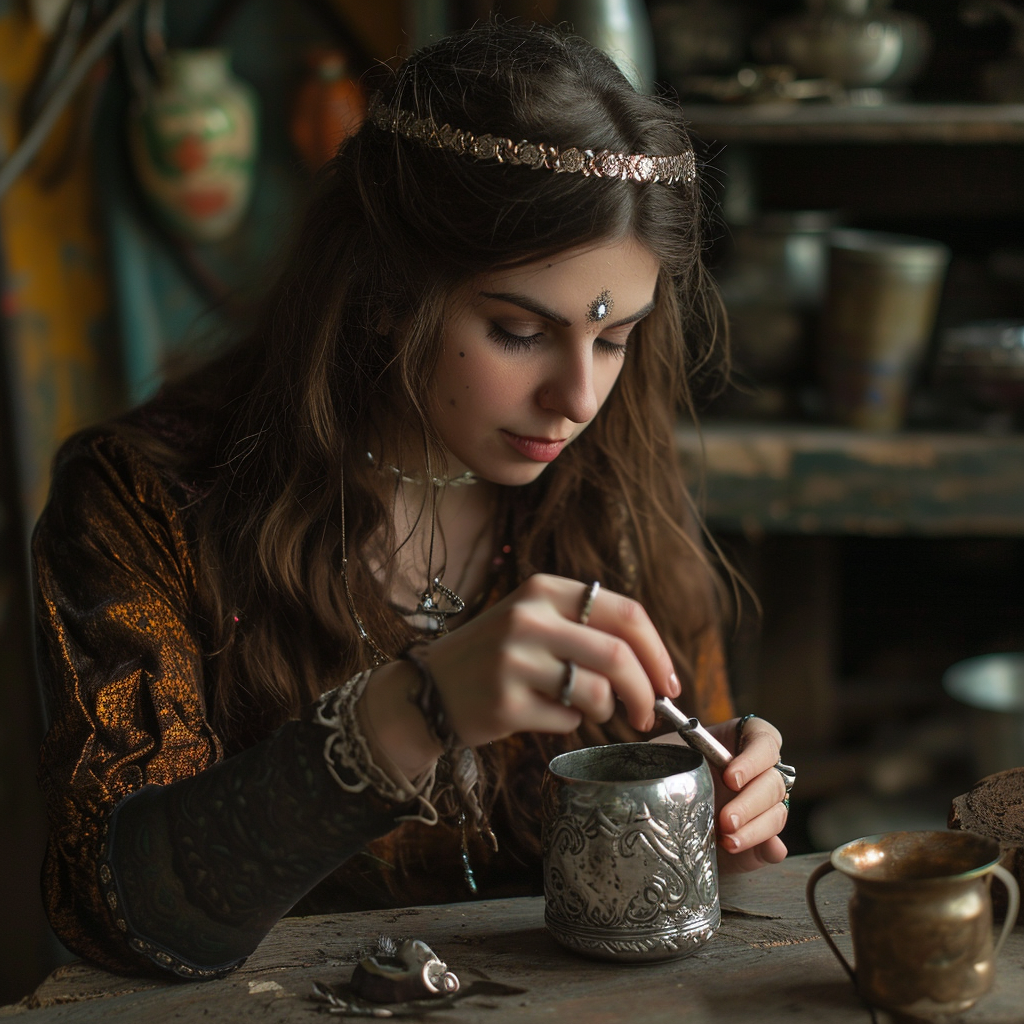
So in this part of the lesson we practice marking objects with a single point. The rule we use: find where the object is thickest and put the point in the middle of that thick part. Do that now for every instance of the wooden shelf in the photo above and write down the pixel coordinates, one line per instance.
(762, 478)
(946, 124)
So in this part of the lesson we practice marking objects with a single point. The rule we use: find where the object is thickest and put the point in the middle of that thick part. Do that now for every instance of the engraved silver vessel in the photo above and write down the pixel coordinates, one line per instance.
(629, 852)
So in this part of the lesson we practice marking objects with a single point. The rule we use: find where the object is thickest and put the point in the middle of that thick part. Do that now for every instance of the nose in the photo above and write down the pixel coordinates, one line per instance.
(568, 388)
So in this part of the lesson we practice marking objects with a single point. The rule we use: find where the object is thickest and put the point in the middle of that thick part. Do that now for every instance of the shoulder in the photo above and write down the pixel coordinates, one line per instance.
(109, 501)
(100, 466)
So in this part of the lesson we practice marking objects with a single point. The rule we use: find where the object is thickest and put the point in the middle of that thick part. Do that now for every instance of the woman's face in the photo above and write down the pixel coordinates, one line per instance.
(530, 355)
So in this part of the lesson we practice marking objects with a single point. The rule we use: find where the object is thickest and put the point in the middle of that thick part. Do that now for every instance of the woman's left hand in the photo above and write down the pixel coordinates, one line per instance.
(749, 796)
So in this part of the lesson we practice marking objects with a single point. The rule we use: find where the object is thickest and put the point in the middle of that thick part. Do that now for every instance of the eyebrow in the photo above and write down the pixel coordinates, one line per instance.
(525, 302)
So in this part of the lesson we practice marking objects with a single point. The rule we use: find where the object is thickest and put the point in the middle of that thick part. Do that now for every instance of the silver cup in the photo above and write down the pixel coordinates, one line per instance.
(629, 852)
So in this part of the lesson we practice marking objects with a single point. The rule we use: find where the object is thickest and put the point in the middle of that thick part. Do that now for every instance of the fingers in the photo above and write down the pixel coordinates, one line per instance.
(750, 795)
(590, 693)
(505, 670)
(772, 851)
(756, 814)
(762, 748)
(619, 644)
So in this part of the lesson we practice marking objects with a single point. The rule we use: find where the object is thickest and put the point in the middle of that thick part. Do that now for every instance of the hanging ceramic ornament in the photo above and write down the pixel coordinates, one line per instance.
(193, 143)
(330, 105)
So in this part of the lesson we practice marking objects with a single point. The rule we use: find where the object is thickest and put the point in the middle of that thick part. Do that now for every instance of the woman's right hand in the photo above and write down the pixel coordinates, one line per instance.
(504, 670)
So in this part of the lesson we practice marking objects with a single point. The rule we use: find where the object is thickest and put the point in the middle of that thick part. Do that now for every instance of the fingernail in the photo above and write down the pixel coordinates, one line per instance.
(674, 686)
(650, 723)
(740, 780)
(734, 820)
(732, 841)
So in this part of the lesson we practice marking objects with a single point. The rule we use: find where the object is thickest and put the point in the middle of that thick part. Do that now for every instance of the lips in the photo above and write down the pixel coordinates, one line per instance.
(538, 449)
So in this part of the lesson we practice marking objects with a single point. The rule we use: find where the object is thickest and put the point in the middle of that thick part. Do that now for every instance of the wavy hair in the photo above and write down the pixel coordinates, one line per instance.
(393, 228)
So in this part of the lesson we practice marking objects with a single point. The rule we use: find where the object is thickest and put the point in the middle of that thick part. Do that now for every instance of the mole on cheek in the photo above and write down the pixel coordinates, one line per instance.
(462, 355)
(451, 402)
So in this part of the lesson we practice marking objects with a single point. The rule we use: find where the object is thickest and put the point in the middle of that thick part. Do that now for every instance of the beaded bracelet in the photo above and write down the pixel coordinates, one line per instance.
(427, 699)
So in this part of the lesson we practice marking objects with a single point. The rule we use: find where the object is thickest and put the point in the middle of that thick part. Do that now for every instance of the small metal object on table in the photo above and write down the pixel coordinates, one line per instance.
(766, 964)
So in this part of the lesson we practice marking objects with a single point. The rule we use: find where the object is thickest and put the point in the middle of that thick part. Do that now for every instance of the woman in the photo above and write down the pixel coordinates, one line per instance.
(312, 621)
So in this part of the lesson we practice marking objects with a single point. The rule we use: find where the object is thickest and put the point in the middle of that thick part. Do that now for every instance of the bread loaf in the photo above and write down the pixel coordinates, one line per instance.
(994, 807)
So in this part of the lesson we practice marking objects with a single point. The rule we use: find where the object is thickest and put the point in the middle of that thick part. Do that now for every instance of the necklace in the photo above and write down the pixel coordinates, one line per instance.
(465, 477)
(436, 602)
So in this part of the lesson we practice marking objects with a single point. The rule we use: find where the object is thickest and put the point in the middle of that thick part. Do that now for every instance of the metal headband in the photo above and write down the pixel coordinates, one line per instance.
(639, 167)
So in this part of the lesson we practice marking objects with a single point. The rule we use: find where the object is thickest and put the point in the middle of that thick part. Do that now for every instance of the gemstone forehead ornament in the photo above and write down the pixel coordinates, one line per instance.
(600, 307)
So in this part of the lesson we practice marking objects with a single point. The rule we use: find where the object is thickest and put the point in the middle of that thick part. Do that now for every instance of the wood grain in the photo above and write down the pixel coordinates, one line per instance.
(766, 964)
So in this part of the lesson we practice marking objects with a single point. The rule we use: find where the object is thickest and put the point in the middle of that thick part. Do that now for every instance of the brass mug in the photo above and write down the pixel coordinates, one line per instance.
(920, 918)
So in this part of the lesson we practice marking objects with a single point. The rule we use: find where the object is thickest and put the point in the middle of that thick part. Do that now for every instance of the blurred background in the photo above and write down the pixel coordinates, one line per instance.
(862, 161)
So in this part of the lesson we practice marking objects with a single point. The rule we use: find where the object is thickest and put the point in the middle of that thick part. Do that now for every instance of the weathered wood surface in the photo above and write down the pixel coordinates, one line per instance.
(785, 479)
(947, 123)
(767, 964)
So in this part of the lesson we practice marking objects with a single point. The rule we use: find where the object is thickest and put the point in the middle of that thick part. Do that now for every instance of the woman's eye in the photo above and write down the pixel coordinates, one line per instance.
(512, 342)
(611, 348)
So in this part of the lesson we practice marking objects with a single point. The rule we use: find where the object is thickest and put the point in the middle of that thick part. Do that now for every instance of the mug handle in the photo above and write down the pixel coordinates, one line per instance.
(1012, 905)
(819, 872)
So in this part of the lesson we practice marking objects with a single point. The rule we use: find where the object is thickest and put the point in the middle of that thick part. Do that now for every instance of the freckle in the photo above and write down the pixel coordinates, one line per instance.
(451, 402)
(462, 355)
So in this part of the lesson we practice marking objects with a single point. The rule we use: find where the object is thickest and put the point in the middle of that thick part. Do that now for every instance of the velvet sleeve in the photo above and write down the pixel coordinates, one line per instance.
(161, 851)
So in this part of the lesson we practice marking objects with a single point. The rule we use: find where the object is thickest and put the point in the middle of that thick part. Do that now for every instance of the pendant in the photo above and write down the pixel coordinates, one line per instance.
(438, 602)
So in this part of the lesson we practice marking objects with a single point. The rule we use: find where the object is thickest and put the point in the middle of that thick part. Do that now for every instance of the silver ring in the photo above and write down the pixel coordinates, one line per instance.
(588, 602)
(565, 694)
(788, 773)
(741, 724)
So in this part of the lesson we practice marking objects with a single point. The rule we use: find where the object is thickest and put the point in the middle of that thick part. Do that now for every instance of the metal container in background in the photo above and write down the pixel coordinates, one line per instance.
(772, 283)
(879, 313)
(630, 873)
(992, 686)
(622, 28)
(982, 363)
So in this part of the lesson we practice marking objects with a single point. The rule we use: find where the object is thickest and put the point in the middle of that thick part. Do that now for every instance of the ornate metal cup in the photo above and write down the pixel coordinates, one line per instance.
(921, 918)
(629, 852)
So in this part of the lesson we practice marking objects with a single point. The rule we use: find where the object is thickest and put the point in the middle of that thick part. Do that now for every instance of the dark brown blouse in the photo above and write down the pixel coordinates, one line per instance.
(209, 848)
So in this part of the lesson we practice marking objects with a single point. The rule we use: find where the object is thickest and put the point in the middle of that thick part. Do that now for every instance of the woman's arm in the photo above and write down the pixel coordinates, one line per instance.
(162, 852)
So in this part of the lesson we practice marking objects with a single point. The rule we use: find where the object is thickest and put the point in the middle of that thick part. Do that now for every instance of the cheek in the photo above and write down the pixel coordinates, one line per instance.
(606, 377)
(479, 380)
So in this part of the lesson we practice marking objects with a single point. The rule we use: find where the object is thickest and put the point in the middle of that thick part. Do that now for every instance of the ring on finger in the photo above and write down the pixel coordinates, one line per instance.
(741, 724)
(588, 602)
(565, 694)
(785, 801)
(788, 773)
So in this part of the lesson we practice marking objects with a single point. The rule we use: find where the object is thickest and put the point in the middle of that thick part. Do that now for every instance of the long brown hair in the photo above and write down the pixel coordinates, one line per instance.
(392, 229)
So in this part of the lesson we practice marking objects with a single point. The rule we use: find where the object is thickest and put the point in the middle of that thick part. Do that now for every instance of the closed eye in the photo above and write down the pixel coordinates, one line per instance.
(513, 342)
(610, 348)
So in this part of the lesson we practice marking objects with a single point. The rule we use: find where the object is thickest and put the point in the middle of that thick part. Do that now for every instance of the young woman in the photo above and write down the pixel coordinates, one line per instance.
(314, 620)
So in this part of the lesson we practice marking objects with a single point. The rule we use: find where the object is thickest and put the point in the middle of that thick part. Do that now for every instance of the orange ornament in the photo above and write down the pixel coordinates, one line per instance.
(330, 105)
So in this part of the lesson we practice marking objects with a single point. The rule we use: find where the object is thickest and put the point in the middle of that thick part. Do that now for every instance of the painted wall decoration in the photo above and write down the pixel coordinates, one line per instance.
(193, 144)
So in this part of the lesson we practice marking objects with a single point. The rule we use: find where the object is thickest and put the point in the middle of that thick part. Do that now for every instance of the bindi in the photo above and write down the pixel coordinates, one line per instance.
(600, 307)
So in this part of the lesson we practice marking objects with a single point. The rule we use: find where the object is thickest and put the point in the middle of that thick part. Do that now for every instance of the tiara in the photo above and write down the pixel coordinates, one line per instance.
(639, 167)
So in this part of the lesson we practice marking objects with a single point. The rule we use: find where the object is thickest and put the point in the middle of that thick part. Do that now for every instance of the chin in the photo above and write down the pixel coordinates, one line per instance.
(514, 476)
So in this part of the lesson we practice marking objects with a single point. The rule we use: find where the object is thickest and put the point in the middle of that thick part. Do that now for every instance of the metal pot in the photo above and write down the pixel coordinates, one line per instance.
(857, 43)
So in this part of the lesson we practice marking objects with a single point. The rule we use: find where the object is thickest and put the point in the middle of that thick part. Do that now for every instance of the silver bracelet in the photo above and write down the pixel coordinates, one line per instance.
(347, 751)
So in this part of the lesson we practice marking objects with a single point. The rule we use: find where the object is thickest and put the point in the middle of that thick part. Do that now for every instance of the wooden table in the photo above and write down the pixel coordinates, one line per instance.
(766, 964)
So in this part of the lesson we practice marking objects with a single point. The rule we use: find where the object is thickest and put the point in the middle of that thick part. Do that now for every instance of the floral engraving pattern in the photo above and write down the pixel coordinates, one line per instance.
(624, 882)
